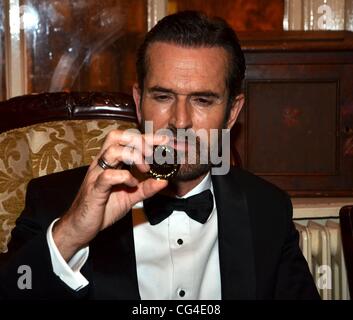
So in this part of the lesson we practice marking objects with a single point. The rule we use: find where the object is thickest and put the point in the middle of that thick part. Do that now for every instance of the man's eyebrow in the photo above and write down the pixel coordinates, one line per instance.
(209, 94)
(160, 89)
(195, 93)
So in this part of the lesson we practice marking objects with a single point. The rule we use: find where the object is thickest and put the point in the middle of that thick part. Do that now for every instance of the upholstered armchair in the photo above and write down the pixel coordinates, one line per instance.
(51, 132)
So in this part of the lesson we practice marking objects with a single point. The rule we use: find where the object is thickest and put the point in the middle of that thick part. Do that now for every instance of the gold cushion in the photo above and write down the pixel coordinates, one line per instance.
(42, 149)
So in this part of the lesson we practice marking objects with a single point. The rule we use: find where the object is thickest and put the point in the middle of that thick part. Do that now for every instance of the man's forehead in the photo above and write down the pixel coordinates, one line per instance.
(159, 48)
(186, 64)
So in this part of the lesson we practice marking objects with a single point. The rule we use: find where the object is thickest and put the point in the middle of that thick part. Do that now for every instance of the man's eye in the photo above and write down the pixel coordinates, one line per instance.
(162, 98)
(203, 101)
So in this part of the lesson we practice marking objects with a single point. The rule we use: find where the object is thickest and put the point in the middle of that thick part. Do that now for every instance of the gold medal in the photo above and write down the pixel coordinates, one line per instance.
(165, 164)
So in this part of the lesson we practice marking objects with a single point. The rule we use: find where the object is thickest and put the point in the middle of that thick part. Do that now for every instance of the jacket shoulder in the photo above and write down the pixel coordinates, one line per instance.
(253, 184)
(58, 179)
(265, 200)
(49, 196)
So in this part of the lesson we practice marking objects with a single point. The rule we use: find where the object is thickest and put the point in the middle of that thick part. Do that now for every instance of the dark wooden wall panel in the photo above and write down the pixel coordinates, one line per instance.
(296, 133)
(296, 129)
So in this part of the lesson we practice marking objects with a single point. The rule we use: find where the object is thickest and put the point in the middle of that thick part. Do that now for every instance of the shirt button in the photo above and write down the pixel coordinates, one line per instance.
(181, 293)
(180, 242)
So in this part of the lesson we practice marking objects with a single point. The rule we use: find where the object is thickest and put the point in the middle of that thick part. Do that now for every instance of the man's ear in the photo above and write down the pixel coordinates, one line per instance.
(235, 110)
(136, 93)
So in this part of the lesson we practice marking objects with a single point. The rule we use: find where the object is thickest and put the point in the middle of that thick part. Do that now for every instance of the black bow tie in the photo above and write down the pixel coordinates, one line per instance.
(197, 207)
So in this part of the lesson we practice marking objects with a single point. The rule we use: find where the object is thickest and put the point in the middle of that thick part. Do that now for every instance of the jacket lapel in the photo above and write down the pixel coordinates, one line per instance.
(114, 264)
(236, 253)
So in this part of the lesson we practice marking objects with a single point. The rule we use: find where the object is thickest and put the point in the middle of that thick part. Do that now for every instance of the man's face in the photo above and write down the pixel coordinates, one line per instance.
(185, 88)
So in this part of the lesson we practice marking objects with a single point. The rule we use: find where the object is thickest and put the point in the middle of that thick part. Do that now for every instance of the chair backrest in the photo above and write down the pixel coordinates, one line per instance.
(346, 223)
(51, 132)
(30, 109)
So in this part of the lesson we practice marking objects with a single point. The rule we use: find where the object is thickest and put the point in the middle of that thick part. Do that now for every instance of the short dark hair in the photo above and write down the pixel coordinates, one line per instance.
(195, 29)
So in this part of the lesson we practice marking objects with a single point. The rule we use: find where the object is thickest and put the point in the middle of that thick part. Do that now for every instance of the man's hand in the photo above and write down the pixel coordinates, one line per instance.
(107, 195)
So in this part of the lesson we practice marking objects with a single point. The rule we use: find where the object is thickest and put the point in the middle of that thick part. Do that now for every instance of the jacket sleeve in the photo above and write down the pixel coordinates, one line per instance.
(294, 280)
(26, 270)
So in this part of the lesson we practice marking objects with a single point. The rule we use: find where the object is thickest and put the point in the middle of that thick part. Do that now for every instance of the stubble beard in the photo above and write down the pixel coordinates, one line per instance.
(192, 171)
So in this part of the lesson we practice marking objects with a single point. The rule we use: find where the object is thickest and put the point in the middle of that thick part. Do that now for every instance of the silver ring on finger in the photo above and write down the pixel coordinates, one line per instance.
(105, 165)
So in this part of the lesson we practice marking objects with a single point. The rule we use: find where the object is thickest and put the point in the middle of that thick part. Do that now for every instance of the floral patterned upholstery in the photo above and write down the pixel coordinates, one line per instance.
(42, 149)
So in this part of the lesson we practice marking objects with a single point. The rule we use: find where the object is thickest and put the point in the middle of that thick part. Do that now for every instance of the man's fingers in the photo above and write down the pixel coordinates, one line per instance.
(134, 139)
(130, 147)
(148, 188)
(111, 177)
(116, 154)
(144, 142)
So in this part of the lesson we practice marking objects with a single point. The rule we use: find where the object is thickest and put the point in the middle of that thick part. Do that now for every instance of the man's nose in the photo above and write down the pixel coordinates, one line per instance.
(181, 114)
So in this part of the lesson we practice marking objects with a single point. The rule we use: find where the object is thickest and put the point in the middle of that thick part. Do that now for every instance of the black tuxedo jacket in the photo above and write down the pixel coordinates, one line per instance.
(258, 244)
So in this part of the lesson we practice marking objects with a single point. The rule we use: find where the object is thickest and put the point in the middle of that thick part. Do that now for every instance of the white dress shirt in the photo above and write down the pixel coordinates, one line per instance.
(175, 259)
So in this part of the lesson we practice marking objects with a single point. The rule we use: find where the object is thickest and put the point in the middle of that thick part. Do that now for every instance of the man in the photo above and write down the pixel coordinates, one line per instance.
(81, 238)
